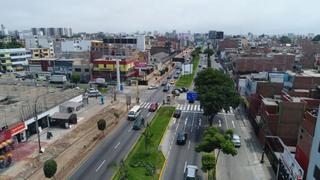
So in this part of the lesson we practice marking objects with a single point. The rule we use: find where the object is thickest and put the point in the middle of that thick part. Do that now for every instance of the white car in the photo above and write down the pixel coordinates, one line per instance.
(153, 87)
(93, 92)
(191, 172)
(236, 140)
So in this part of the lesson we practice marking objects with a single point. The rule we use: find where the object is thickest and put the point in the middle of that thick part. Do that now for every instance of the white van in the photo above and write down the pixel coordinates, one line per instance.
(134, 112)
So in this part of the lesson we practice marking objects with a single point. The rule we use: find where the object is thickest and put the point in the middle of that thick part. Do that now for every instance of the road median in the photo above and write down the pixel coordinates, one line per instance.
(140, 165)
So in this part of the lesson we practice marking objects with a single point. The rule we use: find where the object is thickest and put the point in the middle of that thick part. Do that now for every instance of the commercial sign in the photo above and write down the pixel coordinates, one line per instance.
(292, 166)
(17, 129)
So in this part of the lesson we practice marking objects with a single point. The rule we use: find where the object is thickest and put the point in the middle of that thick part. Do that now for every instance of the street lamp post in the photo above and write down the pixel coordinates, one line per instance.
(37, 123)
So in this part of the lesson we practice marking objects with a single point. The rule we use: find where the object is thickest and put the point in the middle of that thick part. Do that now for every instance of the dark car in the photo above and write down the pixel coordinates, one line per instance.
(166, 89)
(176, 92)
(169, 77)
(153, 107)
(164, 83)
(182, 138)
(185, 89)
(179, 89)
(177, 113)
(176, 76)
(138, 123)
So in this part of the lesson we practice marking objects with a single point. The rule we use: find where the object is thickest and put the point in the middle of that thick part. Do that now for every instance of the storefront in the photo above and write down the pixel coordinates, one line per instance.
(18, 132)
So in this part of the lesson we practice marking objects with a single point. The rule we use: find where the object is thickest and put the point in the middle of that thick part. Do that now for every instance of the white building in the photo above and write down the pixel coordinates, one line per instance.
(37, 41)
(76, 45)
(314, 163)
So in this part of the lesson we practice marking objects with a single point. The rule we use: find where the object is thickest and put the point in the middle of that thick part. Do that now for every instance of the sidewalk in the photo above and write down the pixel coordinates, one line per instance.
(26, 153)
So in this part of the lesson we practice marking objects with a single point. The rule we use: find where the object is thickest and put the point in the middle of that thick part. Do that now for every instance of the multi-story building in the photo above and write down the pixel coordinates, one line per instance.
(307, 133)
(14, 59)
(41, 53)
(39, 41)
(243, 64)
(76, 45)
(106, 68)
(135, 42)
(314, 162)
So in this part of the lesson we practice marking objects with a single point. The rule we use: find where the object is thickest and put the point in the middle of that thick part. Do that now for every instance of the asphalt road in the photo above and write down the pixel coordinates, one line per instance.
(115, 146)
(182, 155)
(246, 164)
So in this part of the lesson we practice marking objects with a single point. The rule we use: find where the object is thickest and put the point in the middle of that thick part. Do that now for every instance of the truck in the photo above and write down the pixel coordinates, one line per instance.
(58, 79)
(192, 96)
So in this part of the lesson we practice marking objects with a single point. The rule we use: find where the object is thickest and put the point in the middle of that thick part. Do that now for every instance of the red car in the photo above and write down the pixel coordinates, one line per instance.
(153, 107)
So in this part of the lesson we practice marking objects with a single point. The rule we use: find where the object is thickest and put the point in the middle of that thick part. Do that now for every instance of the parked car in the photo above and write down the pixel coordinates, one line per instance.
(176, 76)
(177, 113)
(178, 72)
(185, 89)
(93, 92)
(179, 89)
(166, 89)
(236, 140)
(152, 87)
(164, 83)
(182, 138)
(169, 77)
(153, 107)
(172, 82)
(138, 123)
(176, 92)
(191, 172)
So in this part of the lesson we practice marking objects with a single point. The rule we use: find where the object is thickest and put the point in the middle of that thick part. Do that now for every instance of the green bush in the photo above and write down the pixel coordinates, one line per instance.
(50, 168)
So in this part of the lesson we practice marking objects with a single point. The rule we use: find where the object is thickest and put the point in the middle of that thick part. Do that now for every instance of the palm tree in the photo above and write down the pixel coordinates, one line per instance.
(209, 53)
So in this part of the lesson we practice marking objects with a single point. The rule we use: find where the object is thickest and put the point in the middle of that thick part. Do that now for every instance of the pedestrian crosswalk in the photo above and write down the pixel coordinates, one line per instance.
(187, 107)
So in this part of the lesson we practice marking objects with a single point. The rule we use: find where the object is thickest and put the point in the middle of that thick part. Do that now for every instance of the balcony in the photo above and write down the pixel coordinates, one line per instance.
(101, 69)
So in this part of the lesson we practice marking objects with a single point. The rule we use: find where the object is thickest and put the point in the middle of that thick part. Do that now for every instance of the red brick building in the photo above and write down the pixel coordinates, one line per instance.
(258, 63)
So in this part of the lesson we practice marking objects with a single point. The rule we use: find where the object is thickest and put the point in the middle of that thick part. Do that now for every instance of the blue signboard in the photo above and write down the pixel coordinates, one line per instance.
(192, 96)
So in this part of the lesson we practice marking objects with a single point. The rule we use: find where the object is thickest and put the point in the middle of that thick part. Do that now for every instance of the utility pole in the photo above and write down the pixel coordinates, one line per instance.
(37, 123)
(137, 97)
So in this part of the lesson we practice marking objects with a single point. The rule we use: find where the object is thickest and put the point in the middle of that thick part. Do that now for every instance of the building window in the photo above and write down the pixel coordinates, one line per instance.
(316, 173)
(86, 70)
(77, 69)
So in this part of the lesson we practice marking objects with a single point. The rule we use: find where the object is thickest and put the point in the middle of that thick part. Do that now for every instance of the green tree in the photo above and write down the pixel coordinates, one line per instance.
(208, 161)
(50, 168)
(214, 140)
(147, 139)
(216, 92)
(121, 169)
(102, 124)
(75, 78)
(285, 40)
(209, 53)
(316, 38)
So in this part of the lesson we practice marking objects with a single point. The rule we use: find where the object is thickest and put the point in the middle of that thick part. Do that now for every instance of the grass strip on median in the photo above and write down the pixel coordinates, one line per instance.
(186, 80)
(138, 156)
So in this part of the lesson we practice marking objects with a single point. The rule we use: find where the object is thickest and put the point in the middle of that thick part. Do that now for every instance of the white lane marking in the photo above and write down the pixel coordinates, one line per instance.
(225, 119)
(223, 111)
(178, 125)
(231, 110)
(100, 165)
(233, 124)
(185, 124)
(199, 122)
(129, 129)
(185, 166)
(201, 109)
(142, 105)
(189, 144)
(194, 107)
(198, 108)
(178, 107)
(149, 113)
(188, 107)
(192, 122)
(220, 123)
(147, 105)
(184, 107)
(117, 145)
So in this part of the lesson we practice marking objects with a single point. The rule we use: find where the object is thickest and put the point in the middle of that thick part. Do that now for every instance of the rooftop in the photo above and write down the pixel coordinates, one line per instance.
(305, 73)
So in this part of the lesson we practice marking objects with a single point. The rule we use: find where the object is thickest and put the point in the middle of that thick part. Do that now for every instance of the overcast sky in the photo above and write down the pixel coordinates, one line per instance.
(231, 16)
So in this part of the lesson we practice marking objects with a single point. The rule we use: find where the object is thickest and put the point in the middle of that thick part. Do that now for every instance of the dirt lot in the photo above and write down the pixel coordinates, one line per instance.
(71, 149)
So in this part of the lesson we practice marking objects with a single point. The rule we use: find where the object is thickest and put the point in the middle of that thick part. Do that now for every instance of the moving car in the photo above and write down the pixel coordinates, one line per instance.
(191, 172)
(152, 87)
(166, 88)
(182, 138)
(236, 140)
(153, 107)
(134, 112)
(177, 113)
(138, 123)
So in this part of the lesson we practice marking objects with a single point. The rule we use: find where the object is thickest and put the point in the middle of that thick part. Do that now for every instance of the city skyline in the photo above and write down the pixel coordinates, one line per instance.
(231, 16)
